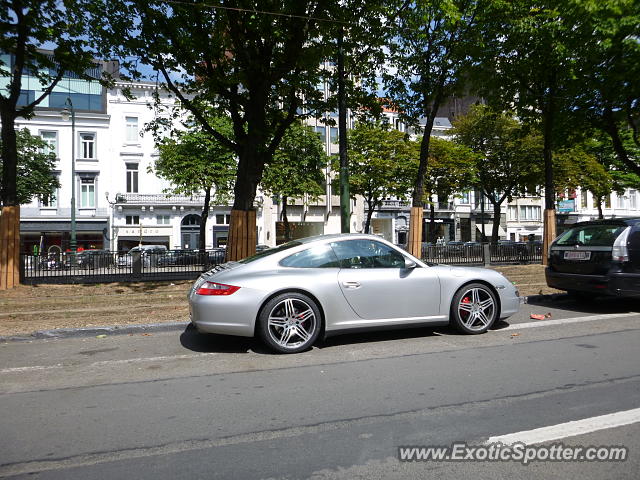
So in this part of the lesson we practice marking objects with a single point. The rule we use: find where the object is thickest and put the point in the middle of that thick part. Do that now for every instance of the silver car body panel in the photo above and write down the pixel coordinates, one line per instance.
(349, 298)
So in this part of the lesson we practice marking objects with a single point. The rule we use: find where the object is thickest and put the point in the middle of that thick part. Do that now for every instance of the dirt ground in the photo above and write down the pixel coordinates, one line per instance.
(26, 309)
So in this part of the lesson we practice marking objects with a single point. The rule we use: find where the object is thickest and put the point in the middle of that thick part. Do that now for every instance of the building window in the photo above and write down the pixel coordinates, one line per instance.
(620, 203)
(466, 198)
(88, 193)
(88, 146)
(49, 201)
(132, 129)
(222, 219)
(513, 212)
(633, 205)
(584, 198)
(529, 212)
(607, 201)
(333, 132)
(322, 132)
(163, 219)
(51, 139)
(133, 219)
(132, 178)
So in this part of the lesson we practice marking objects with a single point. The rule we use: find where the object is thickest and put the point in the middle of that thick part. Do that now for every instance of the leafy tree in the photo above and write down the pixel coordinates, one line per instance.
(296, 168)
(451, 168)
(35, 168)
(381, 165)
(593, 165)
(508, 158)
(194, 162)
(607, 95)
(430, 49)
(256, 66)
(530, 67)
(27, 26)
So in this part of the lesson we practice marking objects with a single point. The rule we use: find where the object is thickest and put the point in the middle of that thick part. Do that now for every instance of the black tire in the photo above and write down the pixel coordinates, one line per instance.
(296, 333)
(480, 314)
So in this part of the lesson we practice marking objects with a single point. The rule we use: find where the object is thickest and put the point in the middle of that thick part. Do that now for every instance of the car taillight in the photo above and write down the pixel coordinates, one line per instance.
(212, 288)
(620, 252)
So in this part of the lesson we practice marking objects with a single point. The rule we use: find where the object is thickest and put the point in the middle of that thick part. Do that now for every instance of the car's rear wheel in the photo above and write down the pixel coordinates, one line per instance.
(290, 322)
(474, 308)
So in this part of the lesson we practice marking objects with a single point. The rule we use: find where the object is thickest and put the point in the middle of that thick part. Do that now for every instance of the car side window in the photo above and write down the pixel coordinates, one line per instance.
(367, 254)
(319, 256)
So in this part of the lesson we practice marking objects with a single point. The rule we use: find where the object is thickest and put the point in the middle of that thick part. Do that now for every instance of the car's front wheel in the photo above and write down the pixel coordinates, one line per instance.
(474, 308)
(290, 322)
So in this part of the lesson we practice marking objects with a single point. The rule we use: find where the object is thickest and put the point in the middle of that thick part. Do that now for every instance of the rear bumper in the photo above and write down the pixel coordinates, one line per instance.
(617, 284)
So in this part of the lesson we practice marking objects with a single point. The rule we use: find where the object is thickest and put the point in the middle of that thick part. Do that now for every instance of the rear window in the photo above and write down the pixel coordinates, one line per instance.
(270, 251)
(591, 235)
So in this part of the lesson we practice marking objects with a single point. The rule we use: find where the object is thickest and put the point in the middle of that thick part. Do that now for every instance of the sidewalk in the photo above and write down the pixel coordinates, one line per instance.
(27, 309)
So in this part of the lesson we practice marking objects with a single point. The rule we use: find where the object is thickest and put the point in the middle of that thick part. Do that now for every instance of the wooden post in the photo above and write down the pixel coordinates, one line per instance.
(549, 233)
(9, 247)
(242, 234)
(414, 244)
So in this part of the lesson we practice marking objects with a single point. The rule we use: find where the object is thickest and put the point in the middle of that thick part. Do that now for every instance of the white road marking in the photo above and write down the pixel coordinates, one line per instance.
(570, 429)
(566, 321)
(106, 363)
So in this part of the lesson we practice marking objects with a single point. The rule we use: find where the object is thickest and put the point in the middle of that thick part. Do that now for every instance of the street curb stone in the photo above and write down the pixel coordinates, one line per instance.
(95, 331)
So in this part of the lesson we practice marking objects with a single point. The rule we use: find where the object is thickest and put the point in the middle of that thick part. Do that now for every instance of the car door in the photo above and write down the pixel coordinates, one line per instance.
(377, 285)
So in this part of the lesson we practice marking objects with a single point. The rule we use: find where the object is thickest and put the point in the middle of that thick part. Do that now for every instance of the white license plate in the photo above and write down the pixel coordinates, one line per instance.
(577, 255)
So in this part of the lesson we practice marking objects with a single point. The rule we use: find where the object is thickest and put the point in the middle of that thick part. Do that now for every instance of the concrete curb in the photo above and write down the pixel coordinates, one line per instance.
(95, 331)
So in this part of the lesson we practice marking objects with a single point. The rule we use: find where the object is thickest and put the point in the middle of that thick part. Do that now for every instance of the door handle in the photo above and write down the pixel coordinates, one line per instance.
(352, 285)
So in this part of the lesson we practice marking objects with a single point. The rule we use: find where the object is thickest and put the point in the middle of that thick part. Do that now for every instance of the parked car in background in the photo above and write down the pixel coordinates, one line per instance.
(597, 257)
(92, 259)
(148, 253)
(292, 294)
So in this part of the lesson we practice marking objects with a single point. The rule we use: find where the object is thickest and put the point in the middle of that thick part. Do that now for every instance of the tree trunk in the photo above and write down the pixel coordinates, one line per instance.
(10, 217)
(242, 229)
(414, 247)
(496, 223)
(599, 203)
(285, 219)
(9, 247)
(203, 220)
(610, 127)
(345, 197)
(432, 221)
(370, 210)
(548, 117)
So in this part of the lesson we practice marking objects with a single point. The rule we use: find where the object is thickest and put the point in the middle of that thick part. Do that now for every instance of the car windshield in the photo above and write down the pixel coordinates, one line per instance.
(270, 251)
(601, 235)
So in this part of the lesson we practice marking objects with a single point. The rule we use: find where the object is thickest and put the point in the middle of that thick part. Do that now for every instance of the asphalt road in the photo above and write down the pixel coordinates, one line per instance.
(183, 405)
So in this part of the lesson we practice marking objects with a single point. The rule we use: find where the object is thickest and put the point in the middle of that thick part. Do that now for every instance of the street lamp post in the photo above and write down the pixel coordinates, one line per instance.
(112, 228)
(66, 113)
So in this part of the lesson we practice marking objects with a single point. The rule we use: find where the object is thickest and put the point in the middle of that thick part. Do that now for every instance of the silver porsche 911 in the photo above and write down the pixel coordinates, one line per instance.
(321, 286)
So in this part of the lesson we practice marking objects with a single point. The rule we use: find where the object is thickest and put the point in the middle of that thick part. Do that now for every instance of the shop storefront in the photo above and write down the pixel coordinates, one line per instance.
(38, 237)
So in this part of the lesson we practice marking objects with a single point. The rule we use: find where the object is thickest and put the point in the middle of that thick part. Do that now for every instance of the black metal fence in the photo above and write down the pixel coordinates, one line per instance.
(483, 253)
(101, 266)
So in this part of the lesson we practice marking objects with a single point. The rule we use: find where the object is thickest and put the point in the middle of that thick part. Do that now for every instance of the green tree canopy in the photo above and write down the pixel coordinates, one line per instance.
(296, 168)
(195, 162)
(509, 156)
(257, 66)
(380, 165)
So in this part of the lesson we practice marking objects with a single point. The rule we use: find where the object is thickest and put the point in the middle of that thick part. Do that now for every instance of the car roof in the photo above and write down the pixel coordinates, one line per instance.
(609, 221)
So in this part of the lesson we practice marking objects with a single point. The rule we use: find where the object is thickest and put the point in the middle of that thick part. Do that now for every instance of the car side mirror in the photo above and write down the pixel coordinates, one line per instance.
(408, 263)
